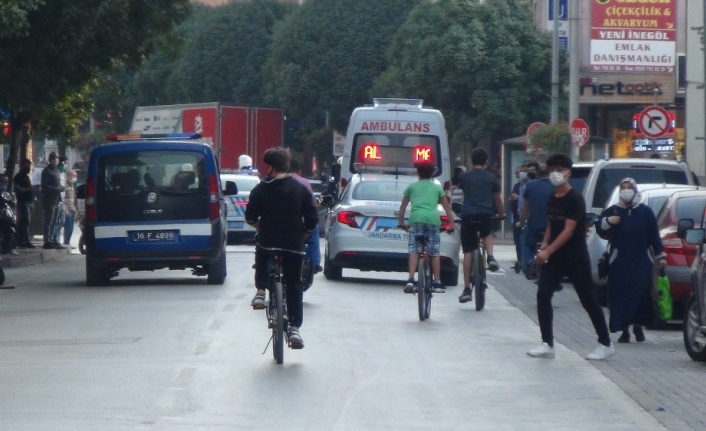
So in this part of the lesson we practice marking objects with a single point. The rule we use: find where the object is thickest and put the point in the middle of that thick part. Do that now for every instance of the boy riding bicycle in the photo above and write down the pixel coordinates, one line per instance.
(283, 212)
(424, 195)
(481, 202)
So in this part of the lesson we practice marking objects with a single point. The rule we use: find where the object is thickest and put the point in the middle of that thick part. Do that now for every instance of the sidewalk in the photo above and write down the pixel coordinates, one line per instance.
(38, 255)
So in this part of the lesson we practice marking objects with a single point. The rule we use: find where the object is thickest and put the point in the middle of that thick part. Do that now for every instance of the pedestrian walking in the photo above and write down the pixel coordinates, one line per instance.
(533, 217)
(61, 206)
(564, 253)
(515, 199)
(635, 244)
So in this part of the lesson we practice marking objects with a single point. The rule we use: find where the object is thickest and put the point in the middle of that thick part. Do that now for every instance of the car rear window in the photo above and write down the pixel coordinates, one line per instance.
(378, 191)
(245, 184)
(125, 179)
(609, 177)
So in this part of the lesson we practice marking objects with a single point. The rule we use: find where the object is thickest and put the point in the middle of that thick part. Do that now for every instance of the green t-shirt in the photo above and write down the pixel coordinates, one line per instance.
(424, 196)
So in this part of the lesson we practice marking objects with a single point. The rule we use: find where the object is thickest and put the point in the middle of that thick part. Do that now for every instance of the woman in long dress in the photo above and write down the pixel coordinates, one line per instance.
(635, 246)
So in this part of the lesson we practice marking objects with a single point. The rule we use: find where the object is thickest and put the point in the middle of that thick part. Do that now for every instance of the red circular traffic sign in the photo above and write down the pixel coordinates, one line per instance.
(579, 132)
(654, 122)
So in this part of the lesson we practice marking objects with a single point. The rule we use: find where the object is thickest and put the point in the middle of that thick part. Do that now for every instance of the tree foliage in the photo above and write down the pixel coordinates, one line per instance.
(13, 16)
(549, 139)
(325, 57)
(487, 67)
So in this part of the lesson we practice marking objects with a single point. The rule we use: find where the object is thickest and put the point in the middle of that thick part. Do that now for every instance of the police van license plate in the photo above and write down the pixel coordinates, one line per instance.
(153, 235)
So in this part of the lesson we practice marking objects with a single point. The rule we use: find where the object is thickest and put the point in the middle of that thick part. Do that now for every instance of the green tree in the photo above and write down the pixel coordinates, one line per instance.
(487, 67)
(13, 16)
(325, 57)
(550, 139)
(66, 45)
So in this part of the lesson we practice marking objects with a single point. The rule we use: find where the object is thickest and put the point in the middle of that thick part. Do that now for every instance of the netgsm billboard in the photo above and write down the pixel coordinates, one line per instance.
(627, 36)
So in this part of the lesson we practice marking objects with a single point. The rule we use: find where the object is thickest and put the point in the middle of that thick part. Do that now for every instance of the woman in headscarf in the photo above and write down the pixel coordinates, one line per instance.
(635, 247)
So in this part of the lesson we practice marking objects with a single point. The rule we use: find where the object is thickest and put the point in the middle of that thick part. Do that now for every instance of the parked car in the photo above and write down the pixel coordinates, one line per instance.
(363, 232)
(153, 204)
(654, 196)
(238, 230)
(606, 174)
(579, 174)
(687, 207)
(694, 327)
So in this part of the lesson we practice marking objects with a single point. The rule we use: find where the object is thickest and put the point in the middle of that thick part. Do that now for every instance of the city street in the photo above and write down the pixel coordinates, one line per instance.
(165, 351)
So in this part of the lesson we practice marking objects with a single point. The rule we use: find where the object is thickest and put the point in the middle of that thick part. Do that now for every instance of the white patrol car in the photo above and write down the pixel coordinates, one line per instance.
(363, 232)
(238, 229)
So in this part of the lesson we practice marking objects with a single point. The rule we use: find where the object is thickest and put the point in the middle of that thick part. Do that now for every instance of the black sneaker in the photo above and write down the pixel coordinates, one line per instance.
(295, 340)
(492, 264)
(517, 267)
(639, 335)
(48, 246)
(437, 287)
(466, 296)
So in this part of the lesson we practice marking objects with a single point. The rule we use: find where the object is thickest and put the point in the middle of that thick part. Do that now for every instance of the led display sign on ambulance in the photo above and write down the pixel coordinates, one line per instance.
(373, 154)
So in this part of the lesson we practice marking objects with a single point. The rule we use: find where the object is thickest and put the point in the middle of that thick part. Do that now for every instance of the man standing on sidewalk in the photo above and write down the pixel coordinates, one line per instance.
(564, 253)
(51, 196)
(25, 200)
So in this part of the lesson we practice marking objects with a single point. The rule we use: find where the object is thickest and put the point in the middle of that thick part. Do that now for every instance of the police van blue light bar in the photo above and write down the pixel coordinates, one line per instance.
(136, 136)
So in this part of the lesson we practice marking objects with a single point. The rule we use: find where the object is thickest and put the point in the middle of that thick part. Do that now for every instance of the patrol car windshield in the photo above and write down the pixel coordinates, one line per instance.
(168, 171)
(609, 177)
(388, 152)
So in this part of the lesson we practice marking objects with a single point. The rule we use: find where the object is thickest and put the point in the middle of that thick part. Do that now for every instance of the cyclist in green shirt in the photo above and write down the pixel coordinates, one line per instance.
(424, 219)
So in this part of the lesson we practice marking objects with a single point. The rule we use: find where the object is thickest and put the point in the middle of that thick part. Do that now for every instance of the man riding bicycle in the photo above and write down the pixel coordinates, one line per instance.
(282, 210)
(481, 202)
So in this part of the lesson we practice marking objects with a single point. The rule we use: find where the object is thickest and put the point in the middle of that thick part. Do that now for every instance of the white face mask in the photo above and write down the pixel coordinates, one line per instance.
(523, 176)
(627, 195)
(557, 178)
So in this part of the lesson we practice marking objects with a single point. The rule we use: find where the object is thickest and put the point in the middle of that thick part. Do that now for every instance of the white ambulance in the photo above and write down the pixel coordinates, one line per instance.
(391, 135)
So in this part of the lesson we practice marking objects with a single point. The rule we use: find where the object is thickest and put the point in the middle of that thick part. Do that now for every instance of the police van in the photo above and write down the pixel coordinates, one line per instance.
(154, 202)
(391, 135)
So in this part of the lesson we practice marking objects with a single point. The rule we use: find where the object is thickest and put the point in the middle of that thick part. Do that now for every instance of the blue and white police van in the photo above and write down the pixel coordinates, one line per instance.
(155, 203)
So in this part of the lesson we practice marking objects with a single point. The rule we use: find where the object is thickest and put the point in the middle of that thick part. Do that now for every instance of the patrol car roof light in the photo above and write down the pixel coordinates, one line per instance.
(135, 136)
(397, 102)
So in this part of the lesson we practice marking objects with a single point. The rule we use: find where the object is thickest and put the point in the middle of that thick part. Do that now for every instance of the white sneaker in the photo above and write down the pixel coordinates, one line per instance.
(544, 350)
(602, 352)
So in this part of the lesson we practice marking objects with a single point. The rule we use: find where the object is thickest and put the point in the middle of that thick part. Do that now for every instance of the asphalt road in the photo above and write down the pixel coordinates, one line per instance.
(165, 351)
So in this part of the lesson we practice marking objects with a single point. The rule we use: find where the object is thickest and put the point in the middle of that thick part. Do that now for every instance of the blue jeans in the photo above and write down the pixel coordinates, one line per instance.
(313, 252)
(517, 238)
(69, 226)
(50, 217)
(529, 245)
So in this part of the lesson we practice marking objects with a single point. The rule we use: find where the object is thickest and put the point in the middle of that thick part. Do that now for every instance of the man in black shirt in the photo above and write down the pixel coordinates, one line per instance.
(283, 212)
(25, 199)
(564, 253)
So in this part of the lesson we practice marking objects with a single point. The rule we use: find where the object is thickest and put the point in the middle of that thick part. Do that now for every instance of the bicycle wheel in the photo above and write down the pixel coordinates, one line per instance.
(427, 308)
(278, 329)
(422, 288)
(478, 279)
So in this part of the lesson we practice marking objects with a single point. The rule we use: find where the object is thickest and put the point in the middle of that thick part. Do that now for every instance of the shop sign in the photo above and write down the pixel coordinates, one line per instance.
(633, 37)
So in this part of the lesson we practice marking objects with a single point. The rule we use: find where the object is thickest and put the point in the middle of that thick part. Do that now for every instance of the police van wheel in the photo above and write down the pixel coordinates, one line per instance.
(449, 278)
(331, 271)
(217, 270)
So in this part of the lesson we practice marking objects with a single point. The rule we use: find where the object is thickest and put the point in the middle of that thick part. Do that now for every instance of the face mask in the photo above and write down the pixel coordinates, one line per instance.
(62, 168)
(70, 180)
(531, 175)
(557, 178)
(25, 170)
(523, 176)
(627, 195)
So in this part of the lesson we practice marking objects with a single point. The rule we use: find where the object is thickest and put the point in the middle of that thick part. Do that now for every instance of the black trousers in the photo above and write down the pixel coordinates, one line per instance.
(578, 269)
(292, 269)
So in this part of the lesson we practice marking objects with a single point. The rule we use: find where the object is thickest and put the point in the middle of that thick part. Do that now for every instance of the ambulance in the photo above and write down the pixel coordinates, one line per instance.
(391, 135)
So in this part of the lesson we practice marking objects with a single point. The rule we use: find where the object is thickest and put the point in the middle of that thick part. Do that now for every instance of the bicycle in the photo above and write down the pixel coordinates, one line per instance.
(478, 271)
(276, 309)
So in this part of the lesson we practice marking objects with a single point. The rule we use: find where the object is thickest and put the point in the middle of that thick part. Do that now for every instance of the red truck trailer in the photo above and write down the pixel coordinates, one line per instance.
(231, 130)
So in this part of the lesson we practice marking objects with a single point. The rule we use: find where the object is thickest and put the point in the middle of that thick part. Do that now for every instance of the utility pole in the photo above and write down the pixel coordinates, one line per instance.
(555, 64)
(574, 85)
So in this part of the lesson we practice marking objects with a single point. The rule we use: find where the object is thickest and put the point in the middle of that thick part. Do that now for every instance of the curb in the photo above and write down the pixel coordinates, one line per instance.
(29, 257)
